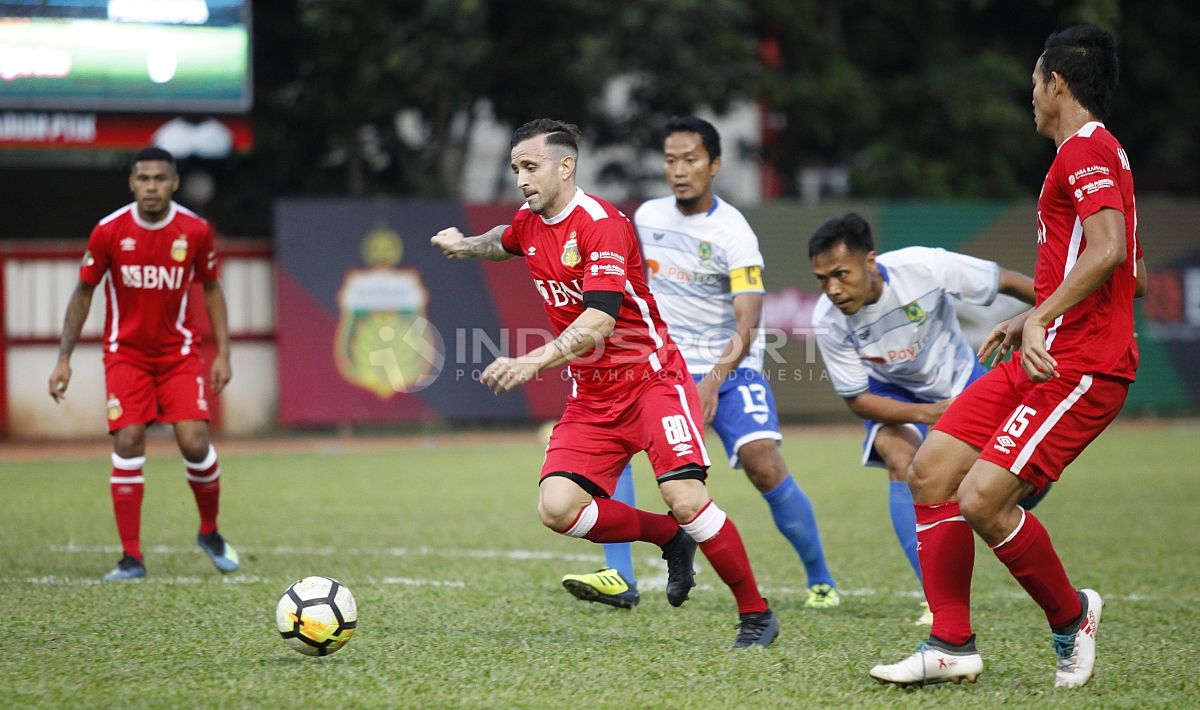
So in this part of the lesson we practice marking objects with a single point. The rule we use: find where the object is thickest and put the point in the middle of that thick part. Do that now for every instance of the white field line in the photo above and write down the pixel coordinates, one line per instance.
(655, 582)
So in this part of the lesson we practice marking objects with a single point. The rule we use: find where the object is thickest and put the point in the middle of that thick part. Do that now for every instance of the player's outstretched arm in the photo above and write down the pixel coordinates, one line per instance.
(485, 246)
(587, 331)
(218, 318)
(891, 411)
(1017, 285)
(77, 312)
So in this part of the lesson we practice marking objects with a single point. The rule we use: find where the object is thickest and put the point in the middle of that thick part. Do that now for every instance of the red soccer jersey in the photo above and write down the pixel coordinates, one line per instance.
(150, 268)
(591, 246)
(1090, 173)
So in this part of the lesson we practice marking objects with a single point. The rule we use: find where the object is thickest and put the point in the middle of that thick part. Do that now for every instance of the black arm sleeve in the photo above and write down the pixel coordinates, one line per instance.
(607, 301)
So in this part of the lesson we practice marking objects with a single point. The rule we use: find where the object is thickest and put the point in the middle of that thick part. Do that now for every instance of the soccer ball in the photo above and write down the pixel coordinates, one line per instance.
(316, 616)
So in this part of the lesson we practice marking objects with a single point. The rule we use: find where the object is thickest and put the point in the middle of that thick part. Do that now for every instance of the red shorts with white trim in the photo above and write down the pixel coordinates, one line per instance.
(1034, 430)
(144, 390)
(661, 416)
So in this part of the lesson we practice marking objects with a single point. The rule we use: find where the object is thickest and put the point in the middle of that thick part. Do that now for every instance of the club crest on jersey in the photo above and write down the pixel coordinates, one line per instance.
(915, 313)
(113, 405)
(179, 248)
(705, 251)
(571, 255)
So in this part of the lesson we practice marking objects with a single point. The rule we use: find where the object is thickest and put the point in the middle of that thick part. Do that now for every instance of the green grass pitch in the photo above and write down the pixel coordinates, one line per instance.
(460, 604)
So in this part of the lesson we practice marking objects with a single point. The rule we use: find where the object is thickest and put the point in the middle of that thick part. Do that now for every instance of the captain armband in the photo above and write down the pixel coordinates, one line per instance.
(747, 279)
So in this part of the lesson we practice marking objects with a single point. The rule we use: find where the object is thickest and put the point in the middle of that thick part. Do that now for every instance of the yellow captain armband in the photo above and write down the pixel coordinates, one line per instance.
(746, 279)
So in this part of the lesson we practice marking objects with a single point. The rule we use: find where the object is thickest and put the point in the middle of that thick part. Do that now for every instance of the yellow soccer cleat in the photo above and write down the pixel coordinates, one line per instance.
(605, 586)
(822, 596)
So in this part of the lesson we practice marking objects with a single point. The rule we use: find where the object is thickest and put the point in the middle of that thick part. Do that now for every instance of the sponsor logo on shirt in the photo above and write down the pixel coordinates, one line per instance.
(531, 251)
(1004, 444)
(570, 254)
(1094, 187)
(607, 270)
(128, 244)
(611, 255)
(1089, 170)
(149, 276)
(658, 236)
(559, 294)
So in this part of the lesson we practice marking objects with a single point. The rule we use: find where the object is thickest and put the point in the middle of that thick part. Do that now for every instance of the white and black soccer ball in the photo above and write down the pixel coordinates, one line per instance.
(316, 616)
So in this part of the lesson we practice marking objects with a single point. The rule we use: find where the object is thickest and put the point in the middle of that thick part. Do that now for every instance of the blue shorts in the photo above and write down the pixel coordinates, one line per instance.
(745, 411)
(871, 457)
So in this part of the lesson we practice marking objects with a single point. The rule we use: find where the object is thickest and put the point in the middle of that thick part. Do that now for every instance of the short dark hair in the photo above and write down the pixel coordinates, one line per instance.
(694, 124)
(151, 153)
(1086, 56)
(557, 133)
(849, 229)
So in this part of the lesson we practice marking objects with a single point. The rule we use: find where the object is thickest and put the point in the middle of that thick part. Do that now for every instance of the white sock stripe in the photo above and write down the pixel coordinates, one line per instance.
(1084, 385)
(585, 522)
(121, 480)
(205, 479)
(926, 526)
(1011, 535)
(707, 523)
(133, 464)
(209, 459)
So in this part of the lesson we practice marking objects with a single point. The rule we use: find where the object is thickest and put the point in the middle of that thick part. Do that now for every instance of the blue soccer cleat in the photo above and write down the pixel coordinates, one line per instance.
(128, 568)
(219, 551)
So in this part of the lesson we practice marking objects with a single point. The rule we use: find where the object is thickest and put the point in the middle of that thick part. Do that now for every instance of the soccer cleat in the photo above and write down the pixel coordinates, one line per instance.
(605, 586)
(681, 576)
(1077, 650)
(926, 617)
(931, 664)
(128, 568)
(822, 596)
(219, 551)
(756, 629)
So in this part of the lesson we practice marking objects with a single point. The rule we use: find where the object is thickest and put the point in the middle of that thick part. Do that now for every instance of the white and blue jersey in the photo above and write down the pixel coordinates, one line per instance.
(907, 345)
(698, 264)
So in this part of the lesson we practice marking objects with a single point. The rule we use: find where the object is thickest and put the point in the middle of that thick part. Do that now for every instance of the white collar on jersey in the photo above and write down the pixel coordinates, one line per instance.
(566, 210)
(137, 218)
(1086, 130)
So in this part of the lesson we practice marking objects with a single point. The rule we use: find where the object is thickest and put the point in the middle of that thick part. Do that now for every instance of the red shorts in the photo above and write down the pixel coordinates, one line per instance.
(1033, 429)
(661, 416)
(143, 390)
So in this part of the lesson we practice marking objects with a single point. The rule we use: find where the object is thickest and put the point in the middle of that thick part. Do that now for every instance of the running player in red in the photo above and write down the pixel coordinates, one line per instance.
(1013, 431)
(630, 387)
(152, 250)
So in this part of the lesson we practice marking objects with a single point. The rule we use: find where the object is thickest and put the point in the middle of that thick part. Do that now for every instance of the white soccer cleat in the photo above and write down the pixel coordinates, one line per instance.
(929, 665)
(1077, 651)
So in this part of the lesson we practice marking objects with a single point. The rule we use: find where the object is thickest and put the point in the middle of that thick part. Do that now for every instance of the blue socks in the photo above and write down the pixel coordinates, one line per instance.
(904, 521)
(793, 514)
(619, 555)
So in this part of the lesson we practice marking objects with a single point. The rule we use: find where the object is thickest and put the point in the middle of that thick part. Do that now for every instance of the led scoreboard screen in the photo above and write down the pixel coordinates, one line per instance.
(125, 55)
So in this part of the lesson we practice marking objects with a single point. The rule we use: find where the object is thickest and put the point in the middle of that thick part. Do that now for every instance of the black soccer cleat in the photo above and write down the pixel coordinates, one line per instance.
(681, 576)
(756, 628)
(128, 568)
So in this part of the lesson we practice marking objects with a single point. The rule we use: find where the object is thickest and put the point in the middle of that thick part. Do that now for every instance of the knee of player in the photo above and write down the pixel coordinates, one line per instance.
(195, 447)
(130, 442)
(556, 518)
(975, 505)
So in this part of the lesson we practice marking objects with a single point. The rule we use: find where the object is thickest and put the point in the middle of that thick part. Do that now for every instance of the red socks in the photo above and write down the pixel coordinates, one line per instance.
(127, 485)
(1030, 557)
(946, 548)
(608, 520)
(205, 479)
(720, 542)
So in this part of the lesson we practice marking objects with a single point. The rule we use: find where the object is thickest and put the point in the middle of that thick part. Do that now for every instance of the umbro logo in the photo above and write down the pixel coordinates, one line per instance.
(1004, 444)
(128, 244)
(531, 251)
(682, 449)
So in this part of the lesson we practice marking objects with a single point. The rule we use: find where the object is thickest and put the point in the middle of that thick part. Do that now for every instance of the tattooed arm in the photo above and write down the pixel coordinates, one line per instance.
(587, 332)
(485, 246)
